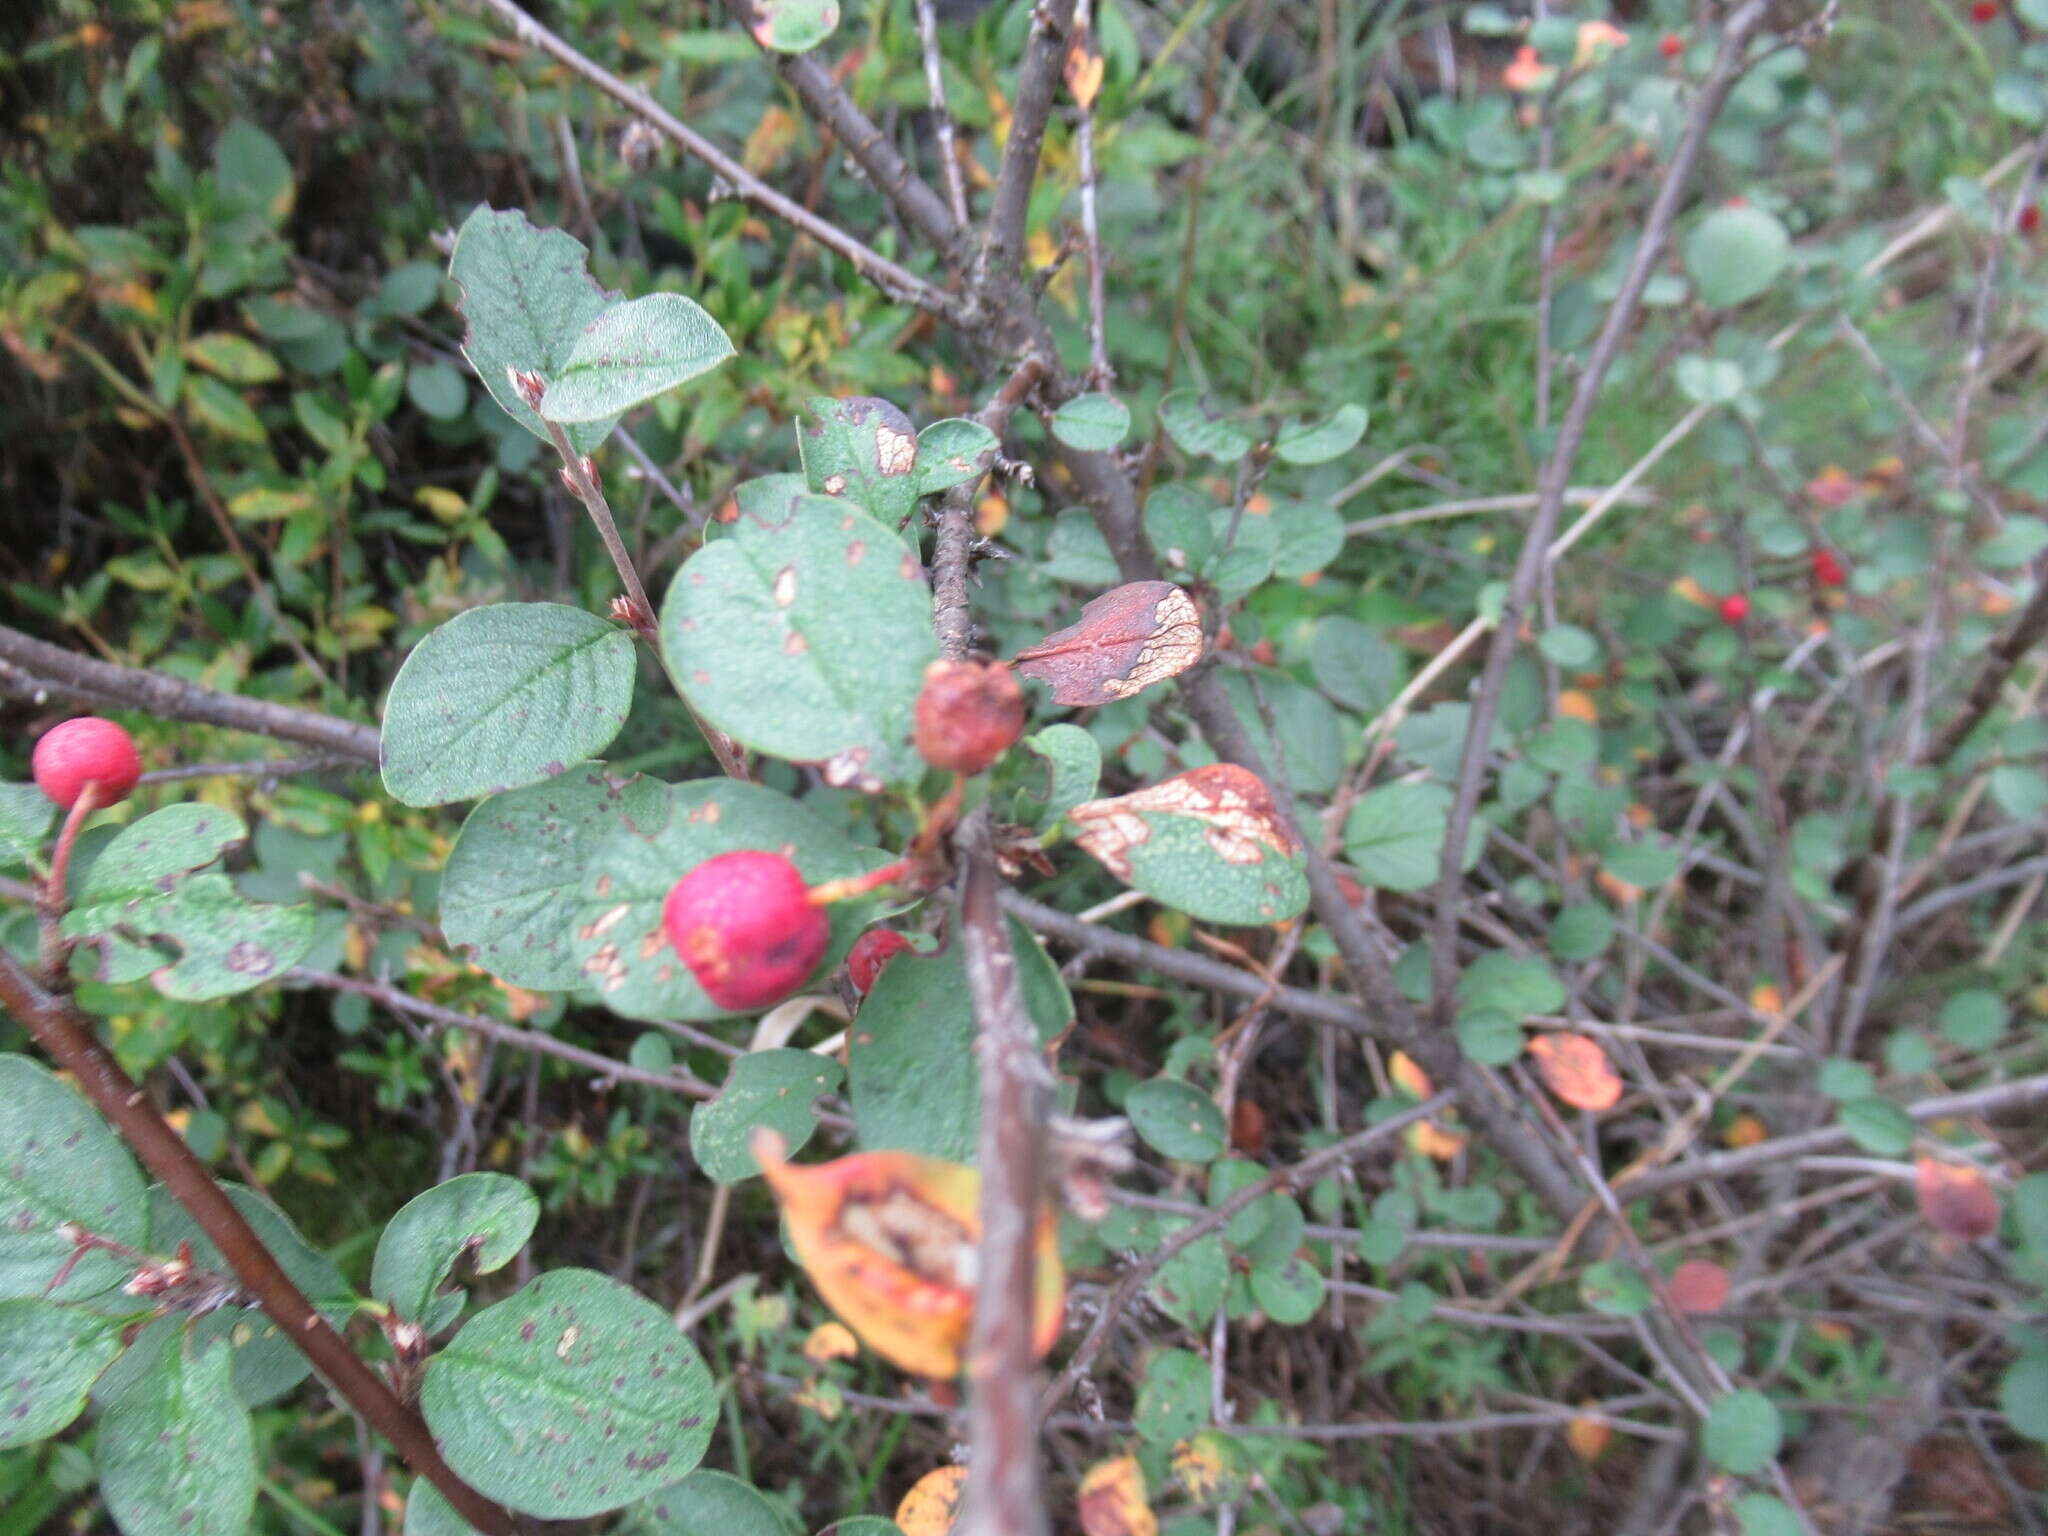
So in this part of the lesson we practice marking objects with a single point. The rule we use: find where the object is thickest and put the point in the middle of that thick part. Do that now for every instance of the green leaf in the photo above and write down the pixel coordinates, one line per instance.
(1707, 380)
(2018, 95)
(862, 449)
(1570, 647)
(60, 1163)
(1208, 842)
(50, 1355)
(1076, 551)
(1743, 1432)
(528, 296)
(1308, 536)
(911, 1070)
(1173, 1400)
(1878, 1126)
(428, 1513)
(1316, 442)
(1763, 1515)
(234, 358)
(2030, 1211)
(1354, 665)
(517, 870)
(1394, 836)
(254, 171)
(629, 354)
(2023, 1395)
(807, 639)
(1490, 1037)
(176, 1455)
(1615, 1288)
(1842, 1079)
(483, 1219)
(1973, 1020)
(219, 409)
(615, 935)
(1582, 932)
(1176, 1120)
(266, 1363)
(1645, 865)
(794, 26)
(1073, 763)
(951, 452)
(437, 390)
(142, 891)
(1093, 423)
(775, 1088)
(1734, 254)
(1289, 1292)
(1517, 985)
(706, 1503)
(569, 1398)
(2021, 792)
(25, 817)
(502, 696)
(1191, 1285)
(1180, 522)
(1194, 430)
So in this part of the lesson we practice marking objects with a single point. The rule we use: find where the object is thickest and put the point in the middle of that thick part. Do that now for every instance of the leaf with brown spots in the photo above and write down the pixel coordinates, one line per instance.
(862, 449)
(1127, 639)
(1209, 842)
(1956, 1199)
(1576, 1070)
(933, 1502)
(1112, 1500)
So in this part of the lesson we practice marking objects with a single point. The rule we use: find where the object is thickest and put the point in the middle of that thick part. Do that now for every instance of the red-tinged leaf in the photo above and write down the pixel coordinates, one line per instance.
(1112, 1500)
(1127, 639)
(794, 26)
(1576, 1070)
(1956, 1199)
(1209, 841)
(1699, 1285)
(1833, 487)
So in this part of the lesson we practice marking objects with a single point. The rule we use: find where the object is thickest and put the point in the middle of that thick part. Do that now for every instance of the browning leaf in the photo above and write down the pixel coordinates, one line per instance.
(1112, 1500)
(1956, 1199)
(932, 1503)
(1576, 1070)
(1127, 639)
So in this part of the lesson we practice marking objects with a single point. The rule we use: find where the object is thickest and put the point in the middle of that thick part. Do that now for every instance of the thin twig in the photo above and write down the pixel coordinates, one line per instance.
(942, 118)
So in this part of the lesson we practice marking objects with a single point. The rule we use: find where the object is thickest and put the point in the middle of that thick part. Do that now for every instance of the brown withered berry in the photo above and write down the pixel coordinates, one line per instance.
(969, 714)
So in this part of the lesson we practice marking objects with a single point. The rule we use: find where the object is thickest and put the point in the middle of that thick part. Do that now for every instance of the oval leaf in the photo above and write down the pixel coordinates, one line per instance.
(862, 449)
(706, 1503)
(60, 1163)
(1576, 1069)
(176, 1456)
(630, 353)
(503, 696)
(49, 1358)
(486, 1217)
(1209, 842)
(1743, 1432)
(572, 1397)
(1179, 1121)
(510, 890)
(1092, 423)
(1111, 1500)
(776, 1089)
(952, 451)
(1315, 442)
(794, 26)
(1189, 422)
(1734, 254)
(807, 639)
(1126, 640)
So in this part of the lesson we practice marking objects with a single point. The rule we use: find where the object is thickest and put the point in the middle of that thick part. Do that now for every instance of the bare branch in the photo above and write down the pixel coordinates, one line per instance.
(942, 118)
(1038, 79)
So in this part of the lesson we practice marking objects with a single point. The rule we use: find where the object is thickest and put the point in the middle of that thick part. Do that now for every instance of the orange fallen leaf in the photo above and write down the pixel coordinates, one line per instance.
(1432, 1140)
(1576, 1070)
(1956, 1199)
(1745, 1131)
(1699, 1285)
(1112, 1500)
(888, 1239)
(1765, 998)
(933, 1502)
(830, 1341)
(1575, 704)
(1408, 1077)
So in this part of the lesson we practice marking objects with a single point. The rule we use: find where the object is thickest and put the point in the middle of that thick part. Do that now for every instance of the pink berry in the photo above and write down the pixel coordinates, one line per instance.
(744, 925)
(871, 951)
(1734, 608)
(85, 751)
(1671, 46)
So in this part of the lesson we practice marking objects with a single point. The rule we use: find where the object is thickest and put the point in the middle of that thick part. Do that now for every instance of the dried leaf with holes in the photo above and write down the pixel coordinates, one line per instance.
(889, 1240)
(1127, 639)
(1956, 1199)
(1576, 1070)
(1699, 1285)
(933, 1502)
(1112, 1500)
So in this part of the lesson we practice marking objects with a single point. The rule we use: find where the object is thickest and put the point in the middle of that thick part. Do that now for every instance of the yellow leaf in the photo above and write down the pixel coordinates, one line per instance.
(444, 505)
(933, 1501)
(830, 1341)
(1112, 1500)
(1408, 1077)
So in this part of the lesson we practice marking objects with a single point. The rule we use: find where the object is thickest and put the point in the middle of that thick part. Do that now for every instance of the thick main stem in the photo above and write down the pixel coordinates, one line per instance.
(1003, 1494)
(64, 1033)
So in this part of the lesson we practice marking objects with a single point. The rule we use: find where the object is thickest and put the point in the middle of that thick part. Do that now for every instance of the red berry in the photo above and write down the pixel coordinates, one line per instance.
(1263, 652)
(1671, 46)
(2030, 218)
(744, 926)
(1827, 570)
(85, 751)
(1734, 608)
(871, 951)
(1984, 11)
(969, 713)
